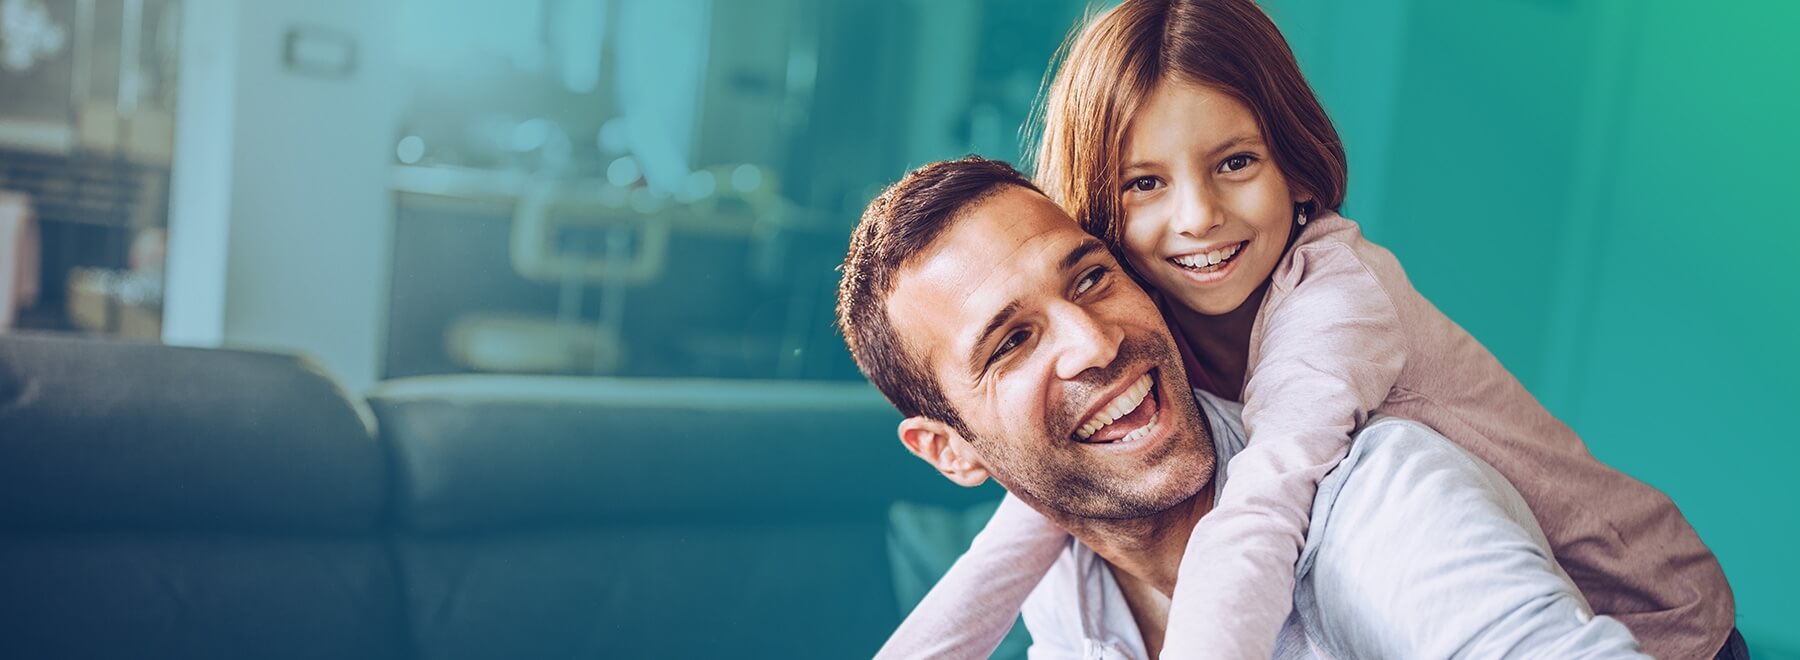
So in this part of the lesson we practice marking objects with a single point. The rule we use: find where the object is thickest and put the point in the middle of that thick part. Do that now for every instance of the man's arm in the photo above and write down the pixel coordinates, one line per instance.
(1426, 552)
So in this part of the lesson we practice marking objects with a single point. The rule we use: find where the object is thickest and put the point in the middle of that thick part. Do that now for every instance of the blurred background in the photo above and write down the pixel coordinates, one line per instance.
(1599, 190)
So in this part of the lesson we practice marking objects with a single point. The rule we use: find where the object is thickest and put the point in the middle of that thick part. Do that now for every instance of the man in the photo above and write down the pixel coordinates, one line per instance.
(999, 328)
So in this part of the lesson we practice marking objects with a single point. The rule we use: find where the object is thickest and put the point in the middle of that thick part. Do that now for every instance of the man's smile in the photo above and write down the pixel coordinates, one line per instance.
(1125, 417)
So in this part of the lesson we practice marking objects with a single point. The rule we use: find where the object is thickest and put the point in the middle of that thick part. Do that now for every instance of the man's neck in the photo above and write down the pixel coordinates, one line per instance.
(1149, 549)
(1145, 549)
(1145, 555)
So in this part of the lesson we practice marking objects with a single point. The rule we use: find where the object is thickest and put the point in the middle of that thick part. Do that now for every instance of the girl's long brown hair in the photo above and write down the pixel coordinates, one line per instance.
(1112, 65)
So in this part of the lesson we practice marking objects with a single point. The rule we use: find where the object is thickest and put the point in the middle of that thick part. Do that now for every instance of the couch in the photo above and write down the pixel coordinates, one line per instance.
(174, 502)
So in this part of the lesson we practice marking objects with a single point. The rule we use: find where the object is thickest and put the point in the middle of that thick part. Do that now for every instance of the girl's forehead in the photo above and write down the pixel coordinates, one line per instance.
(1177, 114)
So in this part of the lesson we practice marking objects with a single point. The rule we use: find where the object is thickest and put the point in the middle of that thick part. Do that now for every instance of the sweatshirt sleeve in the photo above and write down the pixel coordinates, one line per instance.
(1331, 349)
(969, 610)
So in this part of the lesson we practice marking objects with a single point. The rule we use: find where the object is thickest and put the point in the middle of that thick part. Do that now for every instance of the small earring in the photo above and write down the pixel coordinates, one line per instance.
(1302, 217)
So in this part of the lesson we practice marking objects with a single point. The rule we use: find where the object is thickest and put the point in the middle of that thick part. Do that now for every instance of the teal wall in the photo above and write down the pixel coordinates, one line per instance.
(1601, 191)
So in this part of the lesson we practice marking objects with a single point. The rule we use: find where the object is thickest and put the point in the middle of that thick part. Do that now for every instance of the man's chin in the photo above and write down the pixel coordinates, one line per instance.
(1166, 486)
(1164, 482)
(1124, 484)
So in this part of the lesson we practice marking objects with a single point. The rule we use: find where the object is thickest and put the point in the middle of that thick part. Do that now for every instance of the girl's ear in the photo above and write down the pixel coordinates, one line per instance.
(940, 445)
(1305, 206)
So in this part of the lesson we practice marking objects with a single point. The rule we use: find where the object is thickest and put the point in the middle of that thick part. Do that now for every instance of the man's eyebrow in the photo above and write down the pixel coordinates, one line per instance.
(978, 357)
(1081, 252)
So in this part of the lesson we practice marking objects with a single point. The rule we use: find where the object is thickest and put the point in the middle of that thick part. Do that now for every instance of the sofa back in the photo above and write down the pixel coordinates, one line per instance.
(169, 502)
(577, 517)
(159, 501)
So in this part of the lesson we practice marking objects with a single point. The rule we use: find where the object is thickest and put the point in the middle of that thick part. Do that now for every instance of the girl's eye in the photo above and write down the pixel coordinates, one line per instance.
(1091, 279)
(1143, 184)
(1236, 163)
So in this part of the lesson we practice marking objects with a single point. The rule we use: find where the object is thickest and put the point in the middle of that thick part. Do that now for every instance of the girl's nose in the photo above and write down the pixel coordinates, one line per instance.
(1195, 214)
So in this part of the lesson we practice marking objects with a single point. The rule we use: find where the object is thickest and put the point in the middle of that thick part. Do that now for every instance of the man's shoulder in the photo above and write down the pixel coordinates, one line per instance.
(1411, 528)
(1402, 496)
(1389, 446)
(1399, 480)
(1397, 470)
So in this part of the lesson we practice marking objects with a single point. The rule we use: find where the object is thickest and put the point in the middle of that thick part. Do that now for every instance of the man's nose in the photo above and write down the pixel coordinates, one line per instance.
(1196, 211)
(1083, 341)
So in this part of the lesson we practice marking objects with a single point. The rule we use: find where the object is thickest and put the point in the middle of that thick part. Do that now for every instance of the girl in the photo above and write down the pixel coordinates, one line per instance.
(1183, 134)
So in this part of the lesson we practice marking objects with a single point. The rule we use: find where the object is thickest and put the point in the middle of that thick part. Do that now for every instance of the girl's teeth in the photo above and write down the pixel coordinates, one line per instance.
(1209, 259)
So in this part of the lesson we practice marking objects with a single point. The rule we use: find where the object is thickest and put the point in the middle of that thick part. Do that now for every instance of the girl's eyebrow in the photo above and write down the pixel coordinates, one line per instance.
(1136, 165)
(1233, 142)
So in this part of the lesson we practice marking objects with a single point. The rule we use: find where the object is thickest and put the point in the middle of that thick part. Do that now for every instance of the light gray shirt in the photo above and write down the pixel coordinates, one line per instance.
(1416, 550)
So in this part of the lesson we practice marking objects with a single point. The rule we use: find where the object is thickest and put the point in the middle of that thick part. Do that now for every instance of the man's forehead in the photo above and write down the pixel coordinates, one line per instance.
(999, 236)
(1006, 246)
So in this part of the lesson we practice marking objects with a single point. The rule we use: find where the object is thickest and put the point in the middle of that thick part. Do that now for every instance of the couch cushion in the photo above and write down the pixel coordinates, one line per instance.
(151, 595)
(106, 434)
(803, 590)
(488, 452)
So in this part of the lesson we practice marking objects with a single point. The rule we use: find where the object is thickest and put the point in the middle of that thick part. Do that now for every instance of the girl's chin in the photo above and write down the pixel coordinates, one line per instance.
(1218, 301)
(1215, 295)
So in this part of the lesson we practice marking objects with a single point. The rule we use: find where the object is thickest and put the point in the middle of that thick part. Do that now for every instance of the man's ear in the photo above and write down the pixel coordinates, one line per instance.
(936, 443)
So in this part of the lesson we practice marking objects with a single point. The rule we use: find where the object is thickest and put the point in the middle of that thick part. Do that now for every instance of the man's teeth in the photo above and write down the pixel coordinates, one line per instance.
(1144, 430)
(1120, 405)
(1210, 258)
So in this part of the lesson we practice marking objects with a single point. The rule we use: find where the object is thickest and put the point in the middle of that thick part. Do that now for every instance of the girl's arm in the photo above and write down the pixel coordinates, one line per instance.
(1330, 352)
(968, 612)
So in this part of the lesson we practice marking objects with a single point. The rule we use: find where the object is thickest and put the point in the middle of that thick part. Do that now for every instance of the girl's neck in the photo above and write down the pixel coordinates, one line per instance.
(1221, 343)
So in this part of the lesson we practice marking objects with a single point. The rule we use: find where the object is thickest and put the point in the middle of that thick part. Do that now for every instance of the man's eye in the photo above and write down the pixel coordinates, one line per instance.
(1007, 345)
(1236, 163)
(1143, 184)
(1092, 279)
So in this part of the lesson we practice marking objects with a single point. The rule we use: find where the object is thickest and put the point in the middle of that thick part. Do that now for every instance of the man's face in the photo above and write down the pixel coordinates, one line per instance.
(1059, 364)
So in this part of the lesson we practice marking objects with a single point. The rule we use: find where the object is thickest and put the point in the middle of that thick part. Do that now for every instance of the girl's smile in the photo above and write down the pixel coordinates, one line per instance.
(1207, 212)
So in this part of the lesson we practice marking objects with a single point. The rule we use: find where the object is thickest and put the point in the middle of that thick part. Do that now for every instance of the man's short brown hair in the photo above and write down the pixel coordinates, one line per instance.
(899, 225)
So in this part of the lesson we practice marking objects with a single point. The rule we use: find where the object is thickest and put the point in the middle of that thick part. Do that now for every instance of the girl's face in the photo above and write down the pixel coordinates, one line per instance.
(1207, 214)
